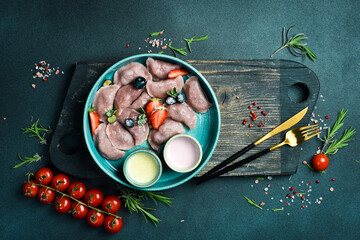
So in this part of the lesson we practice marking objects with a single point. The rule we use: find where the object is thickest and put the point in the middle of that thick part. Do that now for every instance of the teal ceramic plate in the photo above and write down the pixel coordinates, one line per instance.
(206, 131)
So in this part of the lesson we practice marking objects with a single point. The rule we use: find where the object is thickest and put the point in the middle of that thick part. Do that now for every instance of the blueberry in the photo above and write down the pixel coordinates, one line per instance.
(140, 82)
(129, 123)
(170, 100)
(180, 97)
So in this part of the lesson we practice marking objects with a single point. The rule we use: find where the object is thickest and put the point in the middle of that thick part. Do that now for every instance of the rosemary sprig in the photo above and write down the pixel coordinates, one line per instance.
(134, 202)
(179, 50)
(253, 203)
(28, 160)
(36, 131)
(193, 39)
(336, 144)
(295, 45)
(277, 209)
(156, 33)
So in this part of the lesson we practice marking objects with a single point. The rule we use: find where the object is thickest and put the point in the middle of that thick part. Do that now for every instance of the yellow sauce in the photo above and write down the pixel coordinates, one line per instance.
(142, 168)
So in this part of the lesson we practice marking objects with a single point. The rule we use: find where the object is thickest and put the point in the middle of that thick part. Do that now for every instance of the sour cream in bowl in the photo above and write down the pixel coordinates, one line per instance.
(182, 153)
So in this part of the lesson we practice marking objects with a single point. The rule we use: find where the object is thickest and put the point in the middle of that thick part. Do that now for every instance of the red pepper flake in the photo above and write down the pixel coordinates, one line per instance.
(245, 120)
(295, 192)
(254, 103)
(45, 79)
(308, 183)
(327, 117)
(127, 45)
(160, 33)
(303, 197)
(302, 206)
(250, 107)
(147, 40)
(333, 179)
(253, 119)
(33, 85)
(262, 204)
(317, 181)
(291, 188)
(250, 125)
(255, 116)
(266, 193)
(260, 125)
(243, 123)
(258, 107)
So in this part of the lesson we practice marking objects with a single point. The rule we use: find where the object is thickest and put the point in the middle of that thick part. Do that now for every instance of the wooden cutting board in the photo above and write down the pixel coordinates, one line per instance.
(280, 87)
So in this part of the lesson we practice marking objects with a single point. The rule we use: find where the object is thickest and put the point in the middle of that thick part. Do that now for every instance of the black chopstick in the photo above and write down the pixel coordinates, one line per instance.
(233, 166)
(227, 161)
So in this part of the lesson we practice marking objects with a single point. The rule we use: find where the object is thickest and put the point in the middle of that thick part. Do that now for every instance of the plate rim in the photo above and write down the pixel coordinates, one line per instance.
(159, 57)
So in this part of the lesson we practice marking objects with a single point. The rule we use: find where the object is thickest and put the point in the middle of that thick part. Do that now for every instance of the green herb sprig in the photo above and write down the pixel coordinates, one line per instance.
(142, 117)
(277, 209)
(336, 144)
(313, 169)
(179, 50)
(295, 45)
(253, 203)
(36, 130)
(193, 39)
(134, 202)
(28, 160)
(156, 33)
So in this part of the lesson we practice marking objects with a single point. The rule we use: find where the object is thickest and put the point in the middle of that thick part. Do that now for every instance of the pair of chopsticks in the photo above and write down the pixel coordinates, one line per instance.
(223, 168)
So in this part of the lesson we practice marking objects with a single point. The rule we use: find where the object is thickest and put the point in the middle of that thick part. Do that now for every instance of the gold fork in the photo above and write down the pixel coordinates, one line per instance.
(293, 138)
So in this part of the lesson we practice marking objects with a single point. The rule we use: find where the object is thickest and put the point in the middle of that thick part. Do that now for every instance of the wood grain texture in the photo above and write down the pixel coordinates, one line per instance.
(237, 84)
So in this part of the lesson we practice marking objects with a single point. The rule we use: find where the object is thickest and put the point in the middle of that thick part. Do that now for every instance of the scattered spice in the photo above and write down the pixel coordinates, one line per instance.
(331, 189)
(317, 182)
(44, 70)
(156, 33)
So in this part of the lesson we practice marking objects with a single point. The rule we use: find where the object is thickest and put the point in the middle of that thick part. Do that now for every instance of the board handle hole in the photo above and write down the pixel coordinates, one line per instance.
(69, 144)
(298, 92)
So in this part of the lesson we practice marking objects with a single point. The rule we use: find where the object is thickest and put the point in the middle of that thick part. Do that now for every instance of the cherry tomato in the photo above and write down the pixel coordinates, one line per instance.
(46, 195)
(60, 182)
(112, 224)
(95, 218)
(77, 190)
(43, 176)
(62, 204)
(93, 197)
(111, 204)
(30, 190)
(320, 162)
(78, 210)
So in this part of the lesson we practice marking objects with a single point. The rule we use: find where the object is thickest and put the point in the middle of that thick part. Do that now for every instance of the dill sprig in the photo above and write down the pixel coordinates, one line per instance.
(295, 45)
(336, 144)
(156, 33)
(36, 131)
(134, 202)
(193, 39)
(28, 160)
(252, 202)
(179, 50)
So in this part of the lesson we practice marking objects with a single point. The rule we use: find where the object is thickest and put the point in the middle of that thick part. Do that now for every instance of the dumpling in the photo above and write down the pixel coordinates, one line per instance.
(182, 112)
(195, 96)
(125, 96)
(139, 132)
(104, 146)
(141, 102)
(104, 100)
(160, 69)
(167, 129)
(119, 136)
(128, 73)
(158, 89)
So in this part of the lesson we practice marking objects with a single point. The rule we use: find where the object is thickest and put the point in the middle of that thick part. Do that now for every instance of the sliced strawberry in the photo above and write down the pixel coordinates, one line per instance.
(158, 117)
(178, 72)
(94, 121)
(152, 105)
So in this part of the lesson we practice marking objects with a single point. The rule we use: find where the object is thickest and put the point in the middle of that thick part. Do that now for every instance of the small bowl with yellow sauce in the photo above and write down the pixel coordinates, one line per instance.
(142, 168)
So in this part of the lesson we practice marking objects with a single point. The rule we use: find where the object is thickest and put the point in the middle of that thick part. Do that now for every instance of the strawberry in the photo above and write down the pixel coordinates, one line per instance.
(158, 117)
(94, 121)
(152, 105)
(177, 72)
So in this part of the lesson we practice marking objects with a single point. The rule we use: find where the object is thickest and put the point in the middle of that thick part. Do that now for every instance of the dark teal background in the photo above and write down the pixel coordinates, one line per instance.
(65, 32)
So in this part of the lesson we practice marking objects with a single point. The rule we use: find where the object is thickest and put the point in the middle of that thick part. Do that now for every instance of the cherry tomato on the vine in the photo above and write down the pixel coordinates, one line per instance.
(111, 204)
(93, 197)
(78, 210)
(30, 190)
(320, 162)
(112, 224)
(60, 182)
(46, 195)
(77, 190)
(95, 218)
(62, 204)
(43, 176)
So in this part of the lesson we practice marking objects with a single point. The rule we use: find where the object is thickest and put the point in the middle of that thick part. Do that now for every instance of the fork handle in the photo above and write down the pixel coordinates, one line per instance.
(233, 166)
(227, 161)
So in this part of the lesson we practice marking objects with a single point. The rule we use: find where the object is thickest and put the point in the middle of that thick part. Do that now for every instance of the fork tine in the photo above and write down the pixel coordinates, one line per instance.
(313, 135)
(306, 131)
(299, 129)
